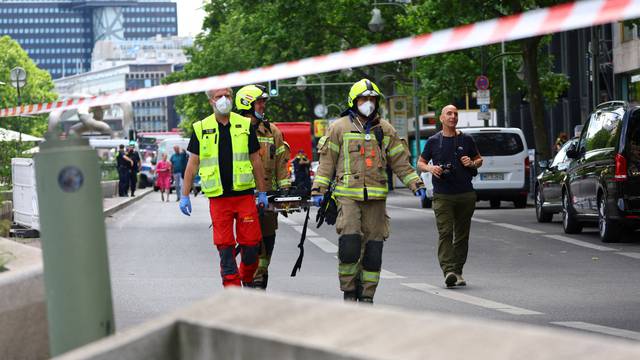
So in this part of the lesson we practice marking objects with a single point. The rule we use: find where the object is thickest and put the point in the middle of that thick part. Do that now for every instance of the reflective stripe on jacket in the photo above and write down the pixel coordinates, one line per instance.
(359, 164)
(275, 155)
(208, 134)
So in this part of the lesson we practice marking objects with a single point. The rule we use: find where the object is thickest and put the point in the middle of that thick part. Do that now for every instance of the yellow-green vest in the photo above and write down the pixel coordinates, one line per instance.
(208, 135)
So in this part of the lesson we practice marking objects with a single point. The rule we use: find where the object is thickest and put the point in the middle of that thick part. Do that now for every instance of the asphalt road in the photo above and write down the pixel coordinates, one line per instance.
(518, 270)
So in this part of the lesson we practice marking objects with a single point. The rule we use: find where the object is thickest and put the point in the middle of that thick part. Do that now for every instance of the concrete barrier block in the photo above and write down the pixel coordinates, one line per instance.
(239, 324)
(23, 317)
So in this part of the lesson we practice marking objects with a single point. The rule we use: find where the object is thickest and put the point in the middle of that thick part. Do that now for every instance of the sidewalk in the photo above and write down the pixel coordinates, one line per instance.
(115, 204)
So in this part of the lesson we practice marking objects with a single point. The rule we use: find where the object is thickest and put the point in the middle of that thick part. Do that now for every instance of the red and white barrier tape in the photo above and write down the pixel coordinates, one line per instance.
(559, 18)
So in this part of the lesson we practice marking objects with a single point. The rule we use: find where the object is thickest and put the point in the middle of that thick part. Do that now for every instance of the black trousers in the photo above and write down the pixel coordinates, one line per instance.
(123, 181)
(133, 180)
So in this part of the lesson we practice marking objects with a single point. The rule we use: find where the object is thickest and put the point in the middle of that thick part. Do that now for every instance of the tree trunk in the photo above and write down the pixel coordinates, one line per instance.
(530, 50)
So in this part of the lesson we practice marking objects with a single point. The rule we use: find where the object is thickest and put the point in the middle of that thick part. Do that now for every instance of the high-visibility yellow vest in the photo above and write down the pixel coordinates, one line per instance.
(208, 135)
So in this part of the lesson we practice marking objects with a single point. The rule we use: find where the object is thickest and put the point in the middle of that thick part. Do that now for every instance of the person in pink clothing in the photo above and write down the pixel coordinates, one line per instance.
(163, 181)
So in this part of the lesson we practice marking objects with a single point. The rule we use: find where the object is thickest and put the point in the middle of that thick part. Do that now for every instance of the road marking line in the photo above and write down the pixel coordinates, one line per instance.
(386, 274)
(519, 228)
(473, 300)
(324, 244)
(288, 221)
(627, 334)
(299, 229)
(580, 243)
(634, 255)
(483, 221)
(422, 211)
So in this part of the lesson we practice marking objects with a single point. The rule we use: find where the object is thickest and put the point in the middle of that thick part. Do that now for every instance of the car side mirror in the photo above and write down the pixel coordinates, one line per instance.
(572, 152)
(543, 164)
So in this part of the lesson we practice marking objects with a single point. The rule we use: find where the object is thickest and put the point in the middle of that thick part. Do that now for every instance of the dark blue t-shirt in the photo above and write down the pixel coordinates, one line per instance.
(448, 150)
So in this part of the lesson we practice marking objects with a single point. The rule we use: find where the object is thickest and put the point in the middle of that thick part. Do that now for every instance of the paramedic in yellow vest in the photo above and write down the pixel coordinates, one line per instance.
(274, 152)
(354, 155)
(225, 148)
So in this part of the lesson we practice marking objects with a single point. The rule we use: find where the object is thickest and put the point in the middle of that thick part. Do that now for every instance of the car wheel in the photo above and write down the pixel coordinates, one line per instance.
(426, 203)
(521, 202)
(570, 224)
(608, 229)
(541, 215)
(494, 203)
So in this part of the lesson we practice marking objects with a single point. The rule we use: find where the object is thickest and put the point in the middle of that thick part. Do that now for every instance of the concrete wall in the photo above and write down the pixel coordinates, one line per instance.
(109, 188)
(626, 55)
(241, 325)
(23, 318)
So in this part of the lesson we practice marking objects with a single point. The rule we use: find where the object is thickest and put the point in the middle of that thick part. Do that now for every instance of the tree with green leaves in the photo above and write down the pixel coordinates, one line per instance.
(449, 76)
(38, 89)
(239, 35)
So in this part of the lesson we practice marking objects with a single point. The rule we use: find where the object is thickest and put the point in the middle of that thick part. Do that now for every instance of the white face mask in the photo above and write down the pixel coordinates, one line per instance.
(366, 108)
(223, 106)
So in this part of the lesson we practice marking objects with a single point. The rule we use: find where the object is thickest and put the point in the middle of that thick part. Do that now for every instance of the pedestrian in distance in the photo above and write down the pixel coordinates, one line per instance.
(225, 149)
(163, 179)
(455, 160)
(251, 102)
(123, 163)
(354, 156)
(135, 166)
(178, 165)
(301, 170)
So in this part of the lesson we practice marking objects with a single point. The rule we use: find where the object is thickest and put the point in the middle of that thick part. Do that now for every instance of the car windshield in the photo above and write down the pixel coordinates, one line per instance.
(498, 143)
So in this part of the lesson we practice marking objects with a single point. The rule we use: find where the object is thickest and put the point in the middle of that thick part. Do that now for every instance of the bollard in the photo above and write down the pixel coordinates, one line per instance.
(74, 247)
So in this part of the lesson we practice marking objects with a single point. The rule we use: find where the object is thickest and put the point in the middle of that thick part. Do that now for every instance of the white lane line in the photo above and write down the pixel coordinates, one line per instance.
(483, 221)
(386, 274)
(519, 228)
(287, 221)
(473, 300)
(299, 229)
(580, 243)
(627, 334)
(324, 244)
(422, 211)
(634, 255)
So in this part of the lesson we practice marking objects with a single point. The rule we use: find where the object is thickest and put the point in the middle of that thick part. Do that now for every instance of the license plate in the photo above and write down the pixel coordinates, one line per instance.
(492, 176)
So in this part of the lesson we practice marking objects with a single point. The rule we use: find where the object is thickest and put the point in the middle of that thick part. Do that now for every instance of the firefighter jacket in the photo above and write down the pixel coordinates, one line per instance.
(275, 154)
(358, 163)
(207, 133)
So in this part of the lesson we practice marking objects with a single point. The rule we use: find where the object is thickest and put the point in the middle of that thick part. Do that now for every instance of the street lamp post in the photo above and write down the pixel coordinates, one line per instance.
(18, 78)
(376, 24)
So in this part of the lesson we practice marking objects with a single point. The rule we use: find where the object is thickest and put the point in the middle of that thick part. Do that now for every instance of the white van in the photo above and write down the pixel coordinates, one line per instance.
(504, 175)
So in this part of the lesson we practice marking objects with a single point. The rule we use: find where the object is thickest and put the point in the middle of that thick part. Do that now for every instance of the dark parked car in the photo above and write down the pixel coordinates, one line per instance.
(548, 190)
(603, 180)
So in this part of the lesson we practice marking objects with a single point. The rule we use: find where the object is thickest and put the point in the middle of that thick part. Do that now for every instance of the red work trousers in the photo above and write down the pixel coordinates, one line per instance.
(241, 210)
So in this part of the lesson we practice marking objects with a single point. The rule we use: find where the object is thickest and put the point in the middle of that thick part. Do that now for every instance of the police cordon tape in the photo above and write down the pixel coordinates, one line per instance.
(559, 18)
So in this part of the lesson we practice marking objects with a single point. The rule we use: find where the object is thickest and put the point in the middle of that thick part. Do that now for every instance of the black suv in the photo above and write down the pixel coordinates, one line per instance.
(602, 184)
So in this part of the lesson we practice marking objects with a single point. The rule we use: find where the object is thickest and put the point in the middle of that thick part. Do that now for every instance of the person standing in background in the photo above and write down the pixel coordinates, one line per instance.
(163, 181)
(178, 165)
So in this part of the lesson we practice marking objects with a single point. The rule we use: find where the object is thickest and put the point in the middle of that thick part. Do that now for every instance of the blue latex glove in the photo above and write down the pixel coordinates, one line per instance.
(422, 193)
(262, 200)
(317, 199)
(185, 205)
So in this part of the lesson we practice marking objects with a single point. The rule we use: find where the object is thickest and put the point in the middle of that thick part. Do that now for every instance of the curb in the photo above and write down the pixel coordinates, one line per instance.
(130, 200)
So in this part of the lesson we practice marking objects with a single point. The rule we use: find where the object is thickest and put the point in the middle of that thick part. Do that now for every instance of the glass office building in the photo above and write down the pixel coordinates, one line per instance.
(60, 35)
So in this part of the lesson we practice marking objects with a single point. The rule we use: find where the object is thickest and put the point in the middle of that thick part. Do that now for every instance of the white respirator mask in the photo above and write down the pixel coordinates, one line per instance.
(367, 108)
(223, 106)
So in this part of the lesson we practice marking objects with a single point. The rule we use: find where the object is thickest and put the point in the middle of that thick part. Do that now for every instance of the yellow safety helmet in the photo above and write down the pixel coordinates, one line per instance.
(364, 87)
(247, 95)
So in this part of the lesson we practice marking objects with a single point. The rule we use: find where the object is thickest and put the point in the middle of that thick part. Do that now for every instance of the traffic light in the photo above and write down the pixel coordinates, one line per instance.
(273, 88)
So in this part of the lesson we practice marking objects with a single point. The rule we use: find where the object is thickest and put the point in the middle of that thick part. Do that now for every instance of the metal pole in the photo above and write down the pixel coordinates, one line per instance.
(74, 246)
(505, 103)
(416, 107)
(595, 73)
(19, 117)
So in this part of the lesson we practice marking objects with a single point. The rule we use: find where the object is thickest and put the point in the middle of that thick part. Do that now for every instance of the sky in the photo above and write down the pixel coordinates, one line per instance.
(190, 17)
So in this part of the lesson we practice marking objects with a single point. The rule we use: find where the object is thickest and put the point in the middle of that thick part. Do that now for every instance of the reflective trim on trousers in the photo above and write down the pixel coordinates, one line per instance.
(284, 182)
(348, 269)
(370, 276)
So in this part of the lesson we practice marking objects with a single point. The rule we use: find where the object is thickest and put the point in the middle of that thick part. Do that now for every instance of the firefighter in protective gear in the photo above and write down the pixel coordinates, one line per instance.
(275, 153)
(224, 151)
(354, 155)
